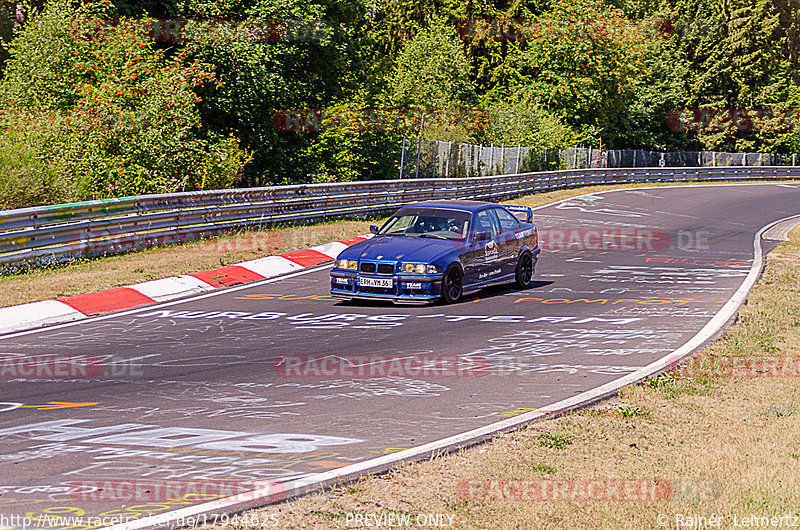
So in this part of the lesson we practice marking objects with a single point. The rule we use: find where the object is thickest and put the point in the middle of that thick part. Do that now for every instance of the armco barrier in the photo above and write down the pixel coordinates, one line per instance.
(31, 236)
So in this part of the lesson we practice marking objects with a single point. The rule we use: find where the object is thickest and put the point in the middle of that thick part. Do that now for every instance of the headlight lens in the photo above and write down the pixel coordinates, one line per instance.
(418, 268)
(351, 264)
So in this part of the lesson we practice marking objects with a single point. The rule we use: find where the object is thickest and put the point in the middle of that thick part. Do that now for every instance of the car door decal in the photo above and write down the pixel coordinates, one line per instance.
(491, 250)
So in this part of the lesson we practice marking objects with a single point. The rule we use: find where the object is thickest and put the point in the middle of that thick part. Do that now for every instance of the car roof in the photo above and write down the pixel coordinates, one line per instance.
(468, 206)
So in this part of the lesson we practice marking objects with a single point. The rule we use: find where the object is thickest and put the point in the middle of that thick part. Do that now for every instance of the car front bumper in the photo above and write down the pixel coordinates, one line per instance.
(405, 288)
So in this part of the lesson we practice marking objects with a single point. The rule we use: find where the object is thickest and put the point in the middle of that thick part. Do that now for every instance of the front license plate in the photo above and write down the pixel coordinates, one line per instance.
(385, 283)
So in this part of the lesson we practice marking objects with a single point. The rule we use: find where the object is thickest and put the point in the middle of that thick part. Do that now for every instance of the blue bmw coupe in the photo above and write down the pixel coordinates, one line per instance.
(439, 250)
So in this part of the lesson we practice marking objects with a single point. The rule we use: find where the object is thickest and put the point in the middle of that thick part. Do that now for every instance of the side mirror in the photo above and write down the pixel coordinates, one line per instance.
(373, 229)
(483, 235)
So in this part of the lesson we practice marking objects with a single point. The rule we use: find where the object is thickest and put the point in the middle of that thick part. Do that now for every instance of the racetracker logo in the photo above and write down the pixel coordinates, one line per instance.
(247, 242)
(580, 490)
(55, 366)
(587, 490)
(18, 366)
(205, 30)
(605, 239)
(588, 28)
(533, 29)
(733, 120)
(145, 491)
(744, 367)
(369, 120)
(46, 119)
(364, 366)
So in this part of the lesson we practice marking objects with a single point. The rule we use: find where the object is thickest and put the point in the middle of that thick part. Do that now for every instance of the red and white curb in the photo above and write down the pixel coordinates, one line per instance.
(39, 314)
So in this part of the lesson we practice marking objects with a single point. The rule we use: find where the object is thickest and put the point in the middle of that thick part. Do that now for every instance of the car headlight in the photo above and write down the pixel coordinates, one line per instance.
(351, 264)
(418, 268)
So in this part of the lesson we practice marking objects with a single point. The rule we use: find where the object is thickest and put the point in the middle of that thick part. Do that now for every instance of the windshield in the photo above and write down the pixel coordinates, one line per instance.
(428, 222)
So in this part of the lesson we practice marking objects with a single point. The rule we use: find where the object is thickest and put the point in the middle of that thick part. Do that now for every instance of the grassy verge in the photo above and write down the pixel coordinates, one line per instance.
(714, 443)
(88, 275)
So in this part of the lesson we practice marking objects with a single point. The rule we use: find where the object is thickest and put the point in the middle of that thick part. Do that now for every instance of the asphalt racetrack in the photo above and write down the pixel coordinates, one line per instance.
(152, 410)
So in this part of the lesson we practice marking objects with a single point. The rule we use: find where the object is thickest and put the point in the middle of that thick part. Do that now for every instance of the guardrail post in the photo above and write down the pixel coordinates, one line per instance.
(447, 162)
(419, 150)
(435, 155)
(403, 156)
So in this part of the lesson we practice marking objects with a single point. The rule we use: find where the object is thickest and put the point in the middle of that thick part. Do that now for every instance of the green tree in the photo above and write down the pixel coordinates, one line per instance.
(521, 121)
(580, 60)
(399, 21)
(737, 54)
(432, 71)
(316, 64)
(660, 87)
(117, 117)
(354, 143)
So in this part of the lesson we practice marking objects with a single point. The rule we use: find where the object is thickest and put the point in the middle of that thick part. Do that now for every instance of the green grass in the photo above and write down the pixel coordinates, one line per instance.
(554, 440)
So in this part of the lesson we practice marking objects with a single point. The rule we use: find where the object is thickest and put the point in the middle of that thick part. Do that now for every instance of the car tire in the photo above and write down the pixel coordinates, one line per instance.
(452, 284)
(524, 271)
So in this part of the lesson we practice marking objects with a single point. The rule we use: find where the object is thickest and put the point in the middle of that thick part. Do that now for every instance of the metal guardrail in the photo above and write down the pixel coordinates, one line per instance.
(46, 234)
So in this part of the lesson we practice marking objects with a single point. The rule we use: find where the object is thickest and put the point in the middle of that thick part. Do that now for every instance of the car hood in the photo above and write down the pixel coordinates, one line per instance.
(396, 248)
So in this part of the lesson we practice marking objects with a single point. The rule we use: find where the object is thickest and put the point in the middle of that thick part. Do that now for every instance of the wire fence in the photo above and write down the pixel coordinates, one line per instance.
(434, 158)
(584, 158)
(424, 159)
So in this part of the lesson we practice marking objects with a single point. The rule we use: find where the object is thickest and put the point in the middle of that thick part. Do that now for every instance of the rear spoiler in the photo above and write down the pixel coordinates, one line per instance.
(527, 213)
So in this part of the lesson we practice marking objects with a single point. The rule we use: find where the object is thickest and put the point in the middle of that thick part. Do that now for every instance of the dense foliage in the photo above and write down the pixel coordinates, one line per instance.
(104, 98)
